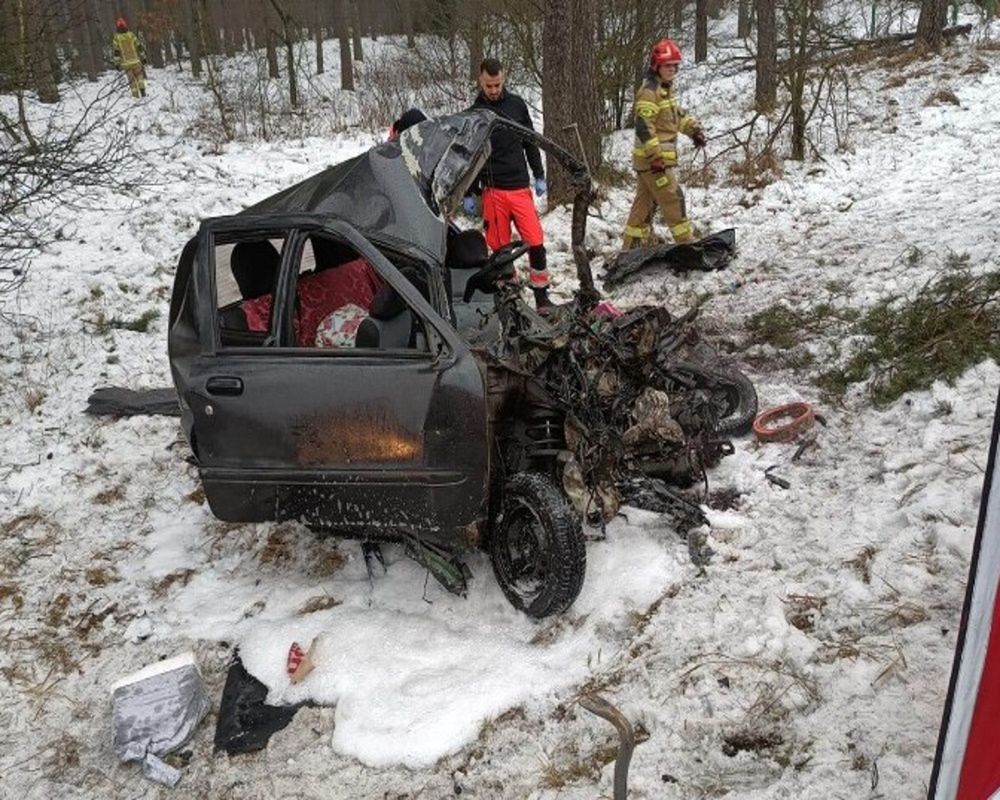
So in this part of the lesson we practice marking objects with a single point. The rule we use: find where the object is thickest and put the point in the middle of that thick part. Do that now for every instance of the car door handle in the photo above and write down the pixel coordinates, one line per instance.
(230, 387)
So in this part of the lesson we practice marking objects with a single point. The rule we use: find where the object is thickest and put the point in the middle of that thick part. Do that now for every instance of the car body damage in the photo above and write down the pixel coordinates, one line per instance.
(338, 362)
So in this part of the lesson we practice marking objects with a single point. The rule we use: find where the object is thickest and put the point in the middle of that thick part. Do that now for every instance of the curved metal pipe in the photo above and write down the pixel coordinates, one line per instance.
(596, 704)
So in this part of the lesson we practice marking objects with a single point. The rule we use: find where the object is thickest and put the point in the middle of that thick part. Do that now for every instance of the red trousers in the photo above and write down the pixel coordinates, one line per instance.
(500, 207)
(503, 206)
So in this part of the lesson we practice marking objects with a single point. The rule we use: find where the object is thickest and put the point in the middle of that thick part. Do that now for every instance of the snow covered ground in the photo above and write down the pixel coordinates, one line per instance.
(810, 659)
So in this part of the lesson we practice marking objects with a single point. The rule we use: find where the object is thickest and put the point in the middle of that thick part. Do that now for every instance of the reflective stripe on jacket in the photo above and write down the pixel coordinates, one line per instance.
(126, 49)
(658, 119)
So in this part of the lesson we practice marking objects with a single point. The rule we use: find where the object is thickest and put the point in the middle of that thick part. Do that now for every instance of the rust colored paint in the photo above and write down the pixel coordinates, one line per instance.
(358, 438)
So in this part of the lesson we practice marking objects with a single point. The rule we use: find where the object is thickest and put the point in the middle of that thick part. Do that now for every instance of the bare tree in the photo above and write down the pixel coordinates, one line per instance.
(359, 53)
(570, 91)
(287, 34)
(766, 88)
(744, 18)
(933, 15)
(57, 166)
(700, 31)
(342, 24)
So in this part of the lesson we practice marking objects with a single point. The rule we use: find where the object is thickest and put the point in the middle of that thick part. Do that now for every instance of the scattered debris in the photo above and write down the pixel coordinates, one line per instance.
(707, 254)
(771, 478)
(299, 663)
(155, 712)
(596, 704)
(783, 423)
(246, 723)
(117, 401)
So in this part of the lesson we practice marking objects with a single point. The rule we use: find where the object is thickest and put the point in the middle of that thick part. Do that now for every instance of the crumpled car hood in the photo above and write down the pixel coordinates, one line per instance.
(402, 189)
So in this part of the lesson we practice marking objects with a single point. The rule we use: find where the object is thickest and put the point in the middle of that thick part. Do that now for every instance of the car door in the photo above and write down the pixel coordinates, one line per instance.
(357, 440)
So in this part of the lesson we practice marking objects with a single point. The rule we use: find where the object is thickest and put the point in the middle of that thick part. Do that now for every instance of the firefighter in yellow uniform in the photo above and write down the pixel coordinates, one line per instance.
(658, 120)
(129, 57)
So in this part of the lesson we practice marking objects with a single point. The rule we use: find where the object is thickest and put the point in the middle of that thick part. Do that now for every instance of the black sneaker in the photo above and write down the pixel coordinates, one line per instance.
(542, 300)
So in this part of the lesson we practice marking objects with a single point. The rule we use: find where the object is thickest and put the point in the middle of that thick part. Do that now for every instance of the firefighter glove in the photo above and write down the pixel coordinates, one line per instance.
(469, 204)
(657, 165)
(541, 187)
(698, 137)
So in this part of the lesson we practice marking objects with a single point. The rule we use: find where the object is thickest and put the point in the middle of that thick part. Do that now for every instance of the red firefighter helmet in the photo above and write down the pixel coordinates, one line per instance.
(121, 24)
(664, 51)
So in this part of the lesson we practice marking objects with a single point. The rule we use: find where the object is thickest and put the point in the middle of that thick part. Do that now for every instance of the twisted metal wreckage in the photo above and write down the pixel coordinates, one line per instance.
(518, 426)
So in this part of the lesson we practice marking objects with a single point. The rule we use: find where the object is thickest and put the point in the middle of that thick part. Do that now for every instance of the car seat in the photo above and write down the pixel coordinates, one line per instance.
(255, 269)
(465, 256)
(391, 324)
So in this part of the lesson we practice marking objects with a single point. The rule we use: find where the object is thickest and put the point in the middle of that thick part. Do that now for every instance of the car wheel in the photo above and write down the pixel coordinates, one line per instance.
(736, 400)
(537, 547)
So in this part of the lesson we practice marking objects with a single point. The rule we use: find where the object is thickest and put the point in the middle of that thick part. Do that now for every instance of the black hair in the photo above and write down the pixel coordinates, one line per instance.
(491, 66)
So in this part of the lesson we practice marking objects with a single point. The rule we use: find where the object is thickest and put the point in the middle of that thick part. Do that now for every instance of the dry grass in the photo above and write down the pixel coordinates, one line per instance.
(12, 592)
(943, 97)
(325, 558)
(977, 67)
(180, 576)
(33, 398)
(756, 172)
(802, 610)
(109, 496)
(320, 602)
(895, 81)
(197, 496)
(100, 576)
(18, 523)
(584, 768)
(862, 563)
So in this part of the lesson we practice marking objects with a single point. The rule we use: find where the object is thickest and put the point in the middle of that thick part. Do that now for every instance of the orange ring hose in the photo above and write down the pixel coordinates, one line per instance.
(800, 417)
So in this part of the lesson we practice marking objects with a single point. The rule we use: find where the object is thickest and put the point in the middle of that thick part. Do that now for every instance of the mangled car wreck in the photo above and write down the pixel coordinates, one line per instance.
(346, 356)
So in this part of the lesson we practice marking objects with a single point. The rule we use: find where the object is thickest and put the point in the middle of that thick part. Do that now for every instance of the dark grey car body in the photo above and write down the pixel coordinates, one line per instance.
(359, 442)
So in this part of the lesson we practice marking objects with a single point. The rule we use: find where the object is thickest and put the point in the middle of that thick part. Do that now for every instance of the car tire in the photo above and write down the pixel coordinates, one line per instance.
(736, 400)
(537, 547)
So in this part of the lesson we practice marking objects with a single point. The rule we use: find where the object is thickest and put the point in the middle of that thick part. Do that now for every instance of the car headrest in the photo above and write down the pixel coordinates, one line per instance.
(255, 267)
(387, 303)
(466, 250)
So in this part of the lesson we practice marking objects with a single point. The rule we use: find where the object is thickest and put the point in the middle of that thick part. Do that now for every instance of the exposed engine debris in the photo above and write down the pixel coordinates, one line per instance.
(622, 406)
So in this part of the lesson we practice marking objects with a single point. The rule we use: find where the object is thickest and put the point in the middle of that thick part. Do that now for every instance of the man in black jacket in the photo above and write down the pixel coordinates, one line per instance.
(505, 182)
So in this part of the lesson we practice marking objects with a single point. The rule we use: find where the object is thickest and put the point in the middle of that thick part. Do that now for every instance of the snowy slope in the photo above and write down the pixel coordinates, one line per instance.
(809, 660)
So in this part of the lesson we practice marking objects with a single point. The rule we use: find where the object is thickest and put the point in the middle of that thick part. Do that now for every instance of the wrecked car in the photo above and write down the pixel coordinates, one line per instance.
(347, 357)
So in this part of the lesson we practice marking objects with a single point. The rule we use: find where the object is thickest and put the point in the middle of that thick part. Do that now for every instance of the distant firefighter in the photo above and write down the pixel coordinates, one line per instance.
(130, 57)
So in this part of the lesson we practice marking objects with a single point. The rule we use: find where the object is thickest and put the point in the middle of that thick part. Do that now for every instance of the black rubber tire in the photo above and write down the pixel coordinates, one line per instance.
(537, 547)
(737, 402)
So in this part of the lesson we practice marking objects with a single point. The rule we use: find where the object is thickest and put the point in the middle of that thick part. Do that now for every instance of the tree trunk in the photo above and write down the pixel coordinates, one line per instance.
(406, 13)
(744, 19)
(570, 90)
(474, 40)
(766, 88)
(318, 36)
(359, 54)
(89, 58)
(700, 31)
(192, 21)
(340, 22)
(933, 14)
(271, 53)
(37, 26)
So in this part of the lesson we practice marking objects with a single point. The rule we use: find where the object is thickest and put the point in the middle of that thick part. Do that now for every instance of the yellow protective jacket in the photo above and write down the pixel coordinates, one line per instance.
(127, 49)
(658, 119)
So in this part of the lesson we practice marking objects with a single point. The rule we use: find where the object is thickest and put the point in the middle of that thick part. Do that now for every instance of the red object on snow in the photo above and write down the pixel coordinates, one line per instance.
(295, 656)
(784, 423)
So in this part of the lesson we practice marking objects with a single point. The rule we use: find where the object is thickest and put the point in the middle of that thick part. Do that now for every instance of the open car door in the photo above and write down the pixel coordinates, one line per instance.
(376, 436)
